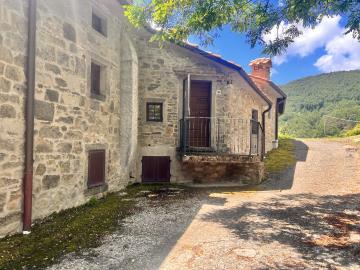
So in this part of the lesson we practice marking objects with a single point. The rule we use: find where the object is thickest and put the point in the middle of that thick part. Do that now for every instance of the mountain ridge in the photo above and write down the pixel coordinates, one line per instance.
(311, 98)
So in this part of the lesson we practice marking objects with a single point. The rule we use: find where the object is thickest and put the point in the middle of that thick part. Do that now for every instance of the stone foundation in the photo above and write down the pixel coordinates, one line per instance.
(214, 168)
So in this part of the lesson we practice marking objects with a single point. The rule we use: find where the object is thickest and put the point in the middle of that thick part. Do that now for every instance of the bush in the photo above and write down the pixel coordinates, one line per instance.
(353, 132)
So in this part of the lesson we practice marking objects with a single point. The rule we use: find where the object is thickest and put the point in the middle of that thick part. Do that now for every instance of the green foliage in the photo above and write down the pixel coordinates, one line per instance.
(176, 20)
(93, 201)
(310, 99)
(279, 159)
(353, 132)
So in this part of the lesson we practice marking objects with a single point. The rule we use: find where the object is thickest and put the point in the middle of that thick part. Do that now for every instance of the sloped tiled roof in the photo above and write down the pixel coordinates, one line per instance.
(270, 83)
(230, 64)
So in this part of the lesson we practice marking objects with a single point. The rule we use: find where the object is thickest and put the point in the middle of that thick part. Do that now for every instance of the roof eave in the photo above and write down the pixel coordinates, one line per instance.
(230, 65)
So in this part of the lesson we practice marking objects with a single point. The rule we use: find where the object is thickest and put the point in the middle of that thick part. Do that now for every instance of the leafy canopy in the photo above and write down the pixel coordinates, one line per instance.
(176, 20)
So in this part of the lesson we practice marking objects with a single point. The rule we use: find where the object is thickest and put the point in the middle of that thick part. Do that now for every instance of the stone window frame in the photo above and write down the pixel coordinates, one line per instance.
(104, 77)
(164, 114)
(95, 12)
(161, 104)
(93, 190)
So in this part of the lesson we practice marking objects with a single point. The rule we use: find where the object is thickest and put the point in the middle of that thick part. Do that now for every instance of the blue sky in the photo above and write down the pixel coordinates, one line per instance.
(319, 50)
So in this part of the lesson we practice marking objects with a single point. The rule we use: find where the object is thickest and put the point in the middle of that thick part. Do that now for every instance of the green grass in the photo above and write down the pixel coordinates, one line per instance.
(279, 159)
(68, 231)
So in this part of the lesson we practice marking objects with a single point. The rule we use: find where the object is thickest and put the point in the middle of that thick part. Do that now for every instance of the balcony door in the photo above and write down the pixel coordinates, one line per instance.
(200, 113)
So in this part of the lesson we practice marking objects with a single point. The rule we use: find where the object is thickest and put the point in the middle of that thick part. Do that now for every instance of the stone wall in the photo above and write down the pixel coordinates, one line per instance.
(209, 169)
(161, 75)
(270, 120)
(13, 42)
(69, 120)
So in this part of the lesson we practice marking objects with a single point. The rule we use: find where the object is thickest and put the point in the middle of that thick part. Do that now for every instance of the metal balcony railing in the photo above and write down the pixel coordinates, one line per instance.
(232, 136)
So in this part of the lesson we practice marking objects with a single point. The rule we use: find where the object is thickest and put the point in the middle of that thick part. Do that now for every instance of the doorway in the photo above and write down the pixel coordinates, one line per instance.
(200, 114)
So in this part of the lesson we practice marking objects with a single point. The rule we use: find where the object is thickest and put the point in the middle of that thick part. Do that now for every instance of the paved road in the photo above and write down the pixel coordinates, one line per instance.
(307, 218)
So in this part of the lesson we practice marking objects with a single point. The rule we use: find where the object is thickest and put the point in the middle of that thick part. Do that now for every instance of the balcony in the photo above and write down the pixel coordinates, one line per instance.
(214, 136)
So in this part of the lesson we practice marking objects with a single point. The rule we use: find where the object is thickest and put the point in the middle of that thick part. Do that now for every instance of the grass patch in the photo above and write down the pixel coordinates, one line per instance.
(68, 231)
(279, 159)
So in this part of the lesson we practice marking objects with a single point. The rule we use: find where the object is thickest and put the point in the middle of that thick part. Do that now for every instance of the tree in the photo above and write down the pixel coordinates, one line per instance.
(176, 20)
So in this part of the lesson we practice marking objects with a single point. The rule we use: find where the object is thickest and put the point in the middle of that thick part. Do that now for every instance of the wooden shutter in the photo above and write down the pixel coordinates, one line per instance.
(95, 78)
(156, 169)
(96, 168)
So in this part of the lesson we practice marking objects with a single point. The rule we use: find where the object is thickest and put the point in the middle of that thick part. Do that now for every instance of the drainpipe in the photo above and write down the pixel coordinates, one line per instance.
(264, 131)
(29, 118)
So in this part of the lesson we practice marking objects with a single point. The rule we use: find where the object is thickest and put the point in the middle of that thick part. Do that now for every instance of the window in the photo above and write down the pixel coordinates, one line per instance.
(95, 79)
(255, 122)
(96, 168)
(154, 112)
(99, 24)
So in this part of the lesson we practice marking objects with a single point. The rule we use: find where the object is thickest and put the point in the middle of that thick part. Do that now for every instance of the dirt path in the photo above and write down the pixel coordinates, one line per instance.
(307, 218)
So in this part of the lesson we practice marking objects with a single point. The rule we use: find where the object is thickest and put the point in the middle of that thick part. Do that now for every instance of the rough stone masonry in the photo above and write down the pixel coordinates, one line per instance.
(71, 121)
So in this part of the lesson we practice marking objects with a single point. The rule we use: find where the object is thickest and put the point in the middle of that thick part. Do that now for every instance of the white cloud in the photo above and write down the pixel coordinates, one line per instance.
(310, 40)
(342, 53)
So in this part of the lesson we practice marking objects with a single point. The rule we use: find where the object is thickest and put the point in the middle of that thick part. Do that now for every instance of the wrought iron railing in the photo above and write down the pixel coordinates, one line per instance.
(233, 136)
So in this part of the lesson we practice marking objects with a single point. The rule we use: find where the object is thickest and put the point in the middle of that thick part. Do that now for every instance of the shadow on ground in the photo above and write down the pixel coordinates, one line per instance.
(325, 230)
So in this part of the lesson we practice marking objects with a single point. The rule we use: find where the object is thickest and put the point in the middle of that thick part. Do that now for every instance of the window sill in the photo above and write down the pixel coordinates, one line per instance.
(154, 122)
(96, 189)
(98, 97)
(99, 34)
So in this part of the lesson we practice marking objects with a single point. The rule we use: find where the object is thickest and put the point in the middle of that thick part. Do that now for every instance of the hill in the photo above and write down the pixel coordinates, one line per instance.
(334, 94)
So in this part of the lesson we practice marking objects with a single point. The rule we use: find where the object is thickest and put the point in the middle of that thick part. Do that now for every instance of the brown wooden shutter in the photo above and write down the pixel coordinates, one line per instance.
(95, 78)
(96, 168)
(156, 169)
(254, 122)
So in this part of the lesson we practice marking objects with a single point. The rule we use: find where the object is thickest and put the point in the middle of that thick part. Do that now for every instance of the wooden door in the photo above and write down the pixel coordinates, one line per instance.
(96, 168)
(200, 112)
(156, 169)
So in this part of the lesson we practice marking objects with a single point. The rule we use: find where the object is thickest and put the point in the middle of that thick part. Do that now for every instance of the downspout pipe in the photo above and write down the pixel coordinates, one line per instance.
(29, 118)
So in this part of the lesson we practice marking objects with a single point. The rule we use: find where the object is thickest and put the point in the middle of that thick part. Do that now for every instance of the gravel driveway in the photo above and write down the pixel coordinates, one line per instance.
(306, 218)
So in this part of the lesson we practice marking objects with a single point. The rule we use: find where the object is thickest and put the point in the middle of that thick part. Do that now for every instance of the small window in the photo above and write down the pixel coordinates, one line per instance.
(96, 168)
(98, 81)
(95, 79)
(154, 112)
(255, 122)
(99, 24)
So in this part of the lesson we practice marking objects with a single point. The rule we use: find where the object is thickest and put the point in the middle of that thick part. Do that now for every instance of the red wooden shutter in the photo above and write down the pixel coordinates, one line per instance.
(96, 168)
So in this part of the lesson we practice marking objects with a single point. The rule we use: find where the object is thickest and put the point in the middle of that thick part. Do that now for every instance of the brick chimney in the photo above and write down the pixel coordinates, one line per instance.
(261, 68)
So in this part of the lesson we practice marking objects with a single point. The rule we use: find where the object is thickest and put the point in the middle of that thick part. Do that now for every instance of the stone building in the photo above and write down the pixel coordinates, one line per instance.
(112, 108)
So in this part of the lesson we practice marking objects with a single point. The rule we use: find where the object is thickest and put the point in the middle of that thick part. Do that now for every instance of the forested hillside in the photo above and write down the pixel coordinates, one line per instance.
(310, 99)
